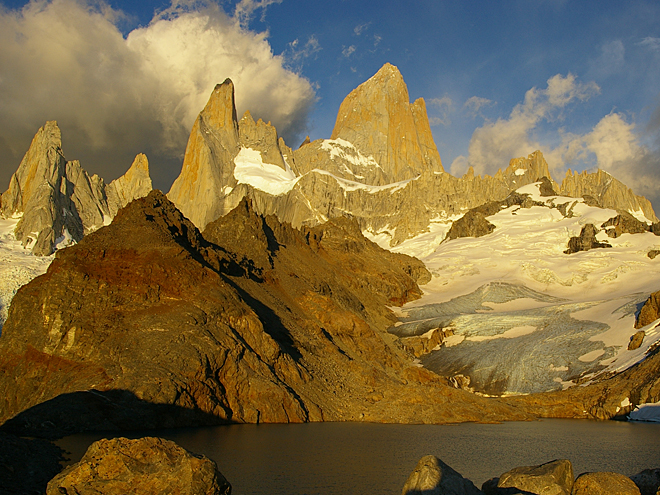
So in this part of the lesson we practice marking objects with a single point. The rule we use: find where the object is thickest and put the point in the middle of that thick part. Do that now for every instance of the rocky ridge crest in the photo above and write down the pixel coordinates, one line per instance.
(57, 200)
(380, 167)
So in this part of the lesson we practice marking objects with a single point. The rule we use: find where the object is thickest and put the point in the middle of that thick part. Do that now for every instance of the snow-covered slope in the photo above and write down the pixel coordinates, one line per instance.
(17, 265)
(527, 317)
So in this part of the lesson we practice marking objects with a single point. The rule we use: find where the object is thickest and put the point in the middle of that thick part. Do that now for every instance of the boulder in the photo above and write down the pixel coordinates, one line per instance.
(636, 340)
(604, 484)
(146, 466)
(653, 253)
(431, 476)
(648, 481)
(585, 241)
(551, 478)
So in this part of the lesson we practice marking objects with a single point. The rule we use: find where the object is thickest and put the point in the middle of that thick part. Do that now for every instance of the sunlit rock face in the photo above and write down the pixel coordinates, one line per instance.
(57, 200)
(607, 192)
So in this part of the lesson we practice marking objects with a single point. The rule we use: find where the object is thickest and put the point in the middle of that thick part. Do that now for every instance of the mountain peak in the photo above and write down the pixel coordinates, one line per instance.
(378, 119)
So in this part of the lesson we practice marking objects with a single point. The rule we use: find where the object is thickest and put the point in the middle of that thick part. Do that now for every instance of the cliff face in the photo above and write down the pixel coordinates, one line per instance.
(606, 192)
(58, 202)
(257, 322)
(379, 121)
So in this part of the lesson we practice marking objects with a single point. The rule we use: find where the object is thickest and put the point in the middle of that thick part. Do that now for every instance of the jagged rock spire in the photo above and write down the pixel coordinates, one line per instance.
(57, 200)
(378, 119)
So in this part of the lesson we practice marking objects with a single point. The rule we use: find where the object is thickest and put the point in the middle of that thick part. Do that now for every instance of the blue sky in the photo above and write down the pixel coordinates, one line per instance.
(578, 79)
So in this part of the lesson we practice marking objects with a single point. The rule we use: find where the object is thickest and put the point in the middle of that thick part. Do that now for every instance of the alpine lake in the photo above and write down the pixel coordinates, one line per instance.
(367, 458)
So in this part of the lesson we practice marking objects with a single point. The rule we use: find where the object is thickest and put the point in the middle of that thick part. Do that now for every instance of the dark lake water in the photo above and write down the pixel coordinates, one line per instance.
(364, 458)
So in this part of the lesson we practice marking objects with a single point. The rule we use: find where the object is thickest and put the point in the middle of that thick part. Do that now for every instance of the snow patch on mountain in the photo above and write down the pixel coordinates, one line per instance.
(342, 149)
(250, 169)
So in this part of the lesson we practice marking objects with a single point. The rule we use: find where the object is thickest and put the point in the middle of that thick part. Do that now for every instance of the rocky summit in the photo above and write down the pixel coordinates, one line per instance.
(57, 201)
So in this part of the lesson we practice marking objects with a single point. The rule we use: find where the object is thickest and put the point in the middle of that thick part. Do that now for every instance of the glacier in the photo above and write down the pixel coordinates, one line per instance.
(526, 317)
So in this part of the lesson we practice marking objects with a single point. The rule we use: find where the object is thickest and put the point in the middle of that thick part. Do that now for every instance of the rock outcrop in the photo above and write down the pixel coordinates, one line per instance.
(146, 465)
(257, 322)
(648, 481)
(378, 119)
(624, 223)
(636, 340)
(585, 241)
(472, 224)
(57, 201)
(431, 476)
(381, 166)
(650, 311)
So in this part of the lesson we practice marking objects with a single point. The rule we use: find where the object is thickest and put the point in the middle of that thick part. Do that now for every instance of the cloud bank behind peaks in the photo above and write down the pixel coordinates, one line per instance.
(67, 60)
(495, 143)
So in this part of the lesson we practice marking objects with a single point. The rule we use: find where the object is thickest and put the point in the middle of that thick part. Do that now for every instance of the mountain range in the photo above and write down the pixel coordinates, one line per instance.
(250, 293)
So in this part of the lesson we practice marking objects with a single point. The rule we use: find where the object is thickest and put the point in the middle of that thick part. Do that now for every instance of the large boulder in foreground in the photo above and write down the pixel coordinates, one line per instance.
(146, 466)
(431, 476)
(551, 478)
(604, 484)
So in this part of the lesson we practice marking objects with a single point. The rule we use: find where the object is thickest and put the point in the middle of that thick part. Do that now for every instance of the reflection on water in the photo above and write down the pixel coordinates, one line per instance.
(361, 458)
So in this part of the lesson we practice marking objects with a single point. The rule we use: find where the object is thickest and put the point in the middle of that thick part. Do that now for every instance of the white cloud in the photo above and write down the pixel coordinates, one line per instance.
(444, 106)
(358, 30)
(66, 60)
(348, 51)
(652, 43)
(297, 53)
(612, 145)
(495, 143)
(244, 10)
(474, 104)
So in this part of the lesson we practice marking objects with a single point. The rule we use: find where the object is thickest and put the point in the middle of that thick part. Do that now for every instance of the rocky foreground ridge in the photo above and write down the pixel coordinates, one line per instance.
(57, 201)
(148, 323)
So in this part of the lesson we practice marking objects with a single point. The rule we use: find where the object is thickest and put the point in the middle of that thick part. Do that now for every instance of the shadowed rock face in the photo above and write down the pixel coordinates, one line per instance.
(258, 322)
